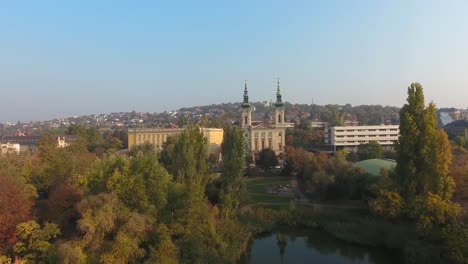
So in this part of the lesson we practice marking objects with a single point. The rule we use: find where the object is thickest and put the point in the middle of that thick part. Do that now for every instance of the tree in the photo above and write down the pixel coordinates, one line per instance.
(34, 242)
(267, 159)
(16, 201)
(371, 150)
(166, 251)
(335, 118)
(61, 207)
(190, 157)
(232, 182)
(143, 185)
(423, 152)
(389, 204)
(111, 232)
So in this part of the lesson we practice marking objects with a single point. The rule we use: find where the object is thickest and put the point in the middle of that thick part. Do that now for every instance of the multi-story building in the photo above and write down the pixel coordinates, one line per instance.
(349, 137)
(158, 136)
(259, 135)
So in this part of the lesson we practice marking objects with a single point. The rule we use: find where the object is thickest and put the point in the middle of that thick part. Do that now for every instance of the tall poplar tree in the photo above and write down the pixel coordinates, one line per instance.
(233, 185)
(423, 152)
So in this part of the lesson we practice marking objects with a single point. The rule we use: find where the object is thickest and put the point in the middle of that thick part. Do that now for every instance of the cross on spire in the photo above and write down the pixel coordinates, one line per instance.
(279, 101)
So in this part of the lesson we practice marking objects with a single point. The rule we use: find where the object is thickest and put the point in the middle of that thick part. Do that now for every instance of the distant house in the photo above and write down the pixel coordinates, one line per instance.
(29, 143)
(26, 143)
(457, 128)
(9, 148)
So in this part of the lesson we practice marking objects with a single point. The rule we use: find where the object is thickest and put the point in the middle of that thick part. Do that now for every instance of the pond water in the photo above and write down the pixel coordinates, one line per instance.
(313, 246)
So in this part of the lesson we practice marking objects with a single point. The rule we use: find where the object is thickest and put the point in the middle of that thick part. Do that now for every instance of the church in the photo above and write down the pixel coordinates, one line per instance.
(260, 135)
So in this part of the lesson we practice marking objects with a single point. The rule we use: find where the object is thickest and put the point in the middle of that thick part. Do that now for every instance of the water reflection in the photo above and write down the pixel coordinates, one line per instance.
(314, 246)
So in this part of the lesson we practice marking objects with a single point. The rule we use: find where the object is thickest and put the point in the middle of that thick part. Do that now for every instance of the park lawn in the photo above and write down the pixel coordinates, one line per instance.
(256, 189)
(268, 198)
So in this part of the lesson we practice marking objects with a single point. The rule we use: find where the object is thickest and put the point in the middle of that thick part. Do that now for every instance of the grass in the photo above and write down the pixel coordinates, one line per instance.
(256, 189)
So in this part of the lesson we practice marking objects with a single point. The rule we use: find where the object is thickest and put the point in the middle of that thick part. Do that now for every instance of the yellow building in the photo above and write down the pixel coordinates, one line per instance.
(259, 135)
(157, 137)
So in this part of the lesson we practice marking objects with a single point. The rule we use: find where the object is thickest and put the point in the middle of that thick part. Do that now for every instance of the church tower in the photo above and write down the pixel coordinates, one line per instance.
(279, 108)
(246, 109)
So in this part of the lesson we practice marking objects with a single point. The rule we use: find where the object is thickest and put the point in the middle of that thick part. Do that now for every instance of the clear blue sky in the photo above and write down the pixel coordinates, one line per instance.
(65, 58)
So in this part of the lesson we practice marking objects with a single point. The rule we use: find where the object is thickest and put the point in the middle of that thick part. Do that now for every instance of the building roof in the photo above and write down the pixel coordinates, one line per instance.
(373, 166)
(22, 140)
(458, 124)
(444, 118)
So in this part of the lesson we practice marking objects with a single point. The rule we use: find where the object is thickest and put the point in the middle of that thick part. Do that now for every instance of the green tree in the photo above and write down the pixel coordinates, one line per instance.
(371, 150)
(33, 244)
(190, 157)
(267, 159)
(143, 186)
(335, 118)
(166, 251)
(232, 177)
(423, 152)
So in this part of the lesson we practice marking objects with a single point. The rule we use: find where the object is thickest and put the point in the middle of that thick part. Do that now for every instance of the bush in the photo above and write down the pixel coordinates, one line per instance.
(389, 204)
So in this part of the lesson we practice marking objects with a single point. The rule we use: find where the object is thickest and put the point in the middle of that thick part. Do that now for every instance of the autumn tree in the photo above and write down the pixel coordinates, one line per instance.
(34, 242)
(423, 152)
(111, 232)
(61, 207)
(232, 182)
(16, 201)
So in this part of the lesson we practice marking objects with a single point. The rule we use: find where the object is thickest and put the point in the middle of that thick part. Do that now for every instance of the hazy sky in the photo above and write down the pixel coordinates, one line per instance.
(65, 58)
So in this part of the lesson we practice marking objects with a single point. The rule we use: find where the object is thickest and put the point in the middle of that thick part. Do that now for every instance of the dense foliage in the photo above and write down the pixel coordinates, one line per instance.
(120, 208)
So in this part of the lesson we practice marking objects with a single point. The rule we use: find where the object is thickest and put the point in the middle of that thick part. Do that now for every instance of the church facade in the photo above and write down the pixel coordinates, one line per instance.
(260, 135)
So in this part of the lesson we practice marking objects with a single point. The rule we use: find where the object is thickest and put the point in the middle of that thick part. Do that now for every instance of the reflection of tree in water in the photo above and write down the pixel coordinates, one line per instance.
(326, 244)
(246, 257)
(282, 242)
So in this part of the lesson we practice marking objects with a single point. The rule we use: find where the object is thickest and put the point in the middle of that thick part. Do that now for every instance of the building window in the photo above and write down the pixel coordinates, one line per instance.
(263, 143)
(279, 118)
(256, 144)
(269, 143)
(245, 120)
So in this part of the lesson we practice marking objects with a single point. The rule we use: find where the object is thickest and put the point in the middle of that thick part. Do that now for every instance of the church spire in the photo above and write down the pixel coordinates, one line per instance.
(246, 103)
(279, 101)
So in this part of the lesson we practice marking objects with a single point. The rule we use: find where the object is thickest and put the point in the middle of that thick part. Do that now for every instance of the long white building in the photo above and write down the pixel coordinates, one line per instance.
(349, 137)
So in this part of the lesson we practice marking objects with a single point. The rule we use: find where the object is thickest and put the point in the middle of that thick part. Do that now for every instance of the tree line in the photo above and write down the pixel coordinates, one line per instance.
(70, 205)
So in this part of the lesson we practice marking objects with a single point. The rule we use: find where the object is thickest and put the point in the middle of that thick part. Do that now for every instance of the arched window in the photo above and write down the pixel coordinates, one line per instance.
(279, 118)
(245, 120)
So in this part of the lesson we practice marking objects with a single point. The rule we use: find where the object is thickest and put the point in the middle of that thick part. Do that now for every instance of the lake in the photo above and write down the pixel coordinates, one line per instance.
(313, 246)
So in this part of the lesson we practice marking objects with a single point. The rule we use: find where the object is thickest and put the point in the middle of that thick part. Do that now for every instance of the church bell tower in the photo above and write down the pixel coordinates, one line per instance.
(279, 107)
(246, 109)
